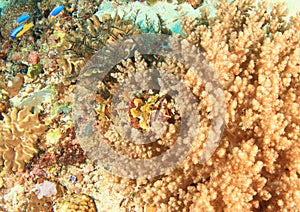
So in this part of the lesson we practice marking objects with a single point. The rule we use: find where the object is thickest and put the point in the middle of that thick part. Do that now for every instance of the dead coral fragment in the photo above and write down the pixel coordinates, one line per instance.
(20, 131)
(78, 203)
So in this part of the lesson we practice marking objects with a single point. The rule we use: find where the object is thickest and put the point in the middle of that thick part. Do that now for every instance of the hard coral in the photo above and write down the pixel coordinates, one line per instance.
(76, 203)
(41, 205)
(33, 58)
(141, 112)
(20, 131)
(79, 45)
(256, 54)
(14, 85)
(44, 204)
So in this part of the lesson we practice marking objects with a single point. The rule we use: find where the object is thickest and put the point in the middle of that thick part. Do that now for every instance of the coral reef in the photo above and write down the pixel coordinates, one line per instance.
(42, 205)
(256, 54)
(65, 152)
(254, 48)
(142, 109)
(162, 17)
(20, 132)
(80, 44)
(14, 85)
(80, 8)
(194, 3)
(34, 71)
(70, 153)
(33, 58)
(46, 189)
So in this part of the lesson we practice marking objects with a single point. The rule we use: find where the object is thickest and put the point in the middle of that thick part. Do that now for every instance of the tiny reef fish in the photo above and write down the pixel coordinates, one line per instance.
(16, 30)
(23, 18)
(56, 11)
(25, 28)
(20, 30)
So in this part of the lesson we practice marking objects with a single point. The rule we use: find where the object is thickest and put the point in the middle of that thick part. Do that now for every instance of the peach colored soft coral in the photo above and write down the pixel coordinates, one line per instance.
(256, 54)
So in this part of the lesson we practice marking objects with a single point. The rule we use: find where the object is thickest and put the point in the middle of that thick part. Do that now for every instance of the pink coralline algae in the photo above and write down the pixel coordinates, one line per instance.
(46, 189)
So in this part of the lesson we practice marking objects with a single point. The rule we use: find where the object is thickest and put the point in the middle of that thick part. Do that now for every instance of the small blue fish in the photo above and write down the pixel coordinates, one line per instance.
(56, 11)
(23, 18)
(73, 179)
(16, 30)
(26, 27)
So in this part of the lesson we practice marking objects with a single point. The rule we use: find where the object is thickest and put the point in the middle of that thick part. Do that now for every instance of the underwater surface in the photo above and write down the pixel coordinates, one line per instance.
(187, 105)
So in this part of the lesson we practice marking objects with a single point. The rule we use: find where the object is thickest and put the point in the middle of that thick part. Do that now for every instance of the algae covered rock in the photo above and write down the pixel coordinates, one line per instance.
(35, 70)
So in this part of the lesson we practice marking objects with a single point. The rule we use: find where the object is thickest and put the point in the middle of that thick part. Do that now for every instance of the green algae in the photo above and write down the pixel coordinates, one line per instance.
(34, 71)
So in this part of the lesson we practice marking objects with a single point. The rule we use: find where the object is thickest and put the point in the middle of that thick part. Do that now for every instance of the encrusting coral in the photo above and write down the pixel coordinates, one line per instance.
(20, 132)
(256, 54)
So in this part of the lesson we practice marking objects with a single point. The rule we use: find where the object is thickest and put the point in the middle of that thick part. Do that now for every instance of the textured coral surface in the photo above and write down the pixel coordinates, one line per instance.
(20, 132)
(76, 203)
(256, 167)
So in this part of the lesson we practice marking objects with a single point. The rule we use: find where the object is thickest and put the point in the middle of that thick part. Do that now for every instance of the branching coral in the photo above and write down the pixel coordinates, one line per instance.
(142, 112)
(20, 131)
(256, 54)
